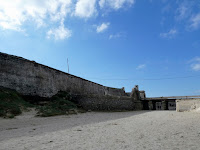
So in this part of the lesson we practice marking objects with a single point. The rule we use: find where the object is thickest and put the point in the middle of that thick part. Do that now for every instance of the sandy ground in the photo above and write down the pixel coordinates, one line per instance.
(149, 130)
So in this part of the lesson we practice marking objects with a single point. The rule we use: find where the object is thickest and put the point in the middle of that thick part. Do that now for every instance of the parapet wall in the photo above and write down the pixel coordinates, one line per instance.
(31, 78)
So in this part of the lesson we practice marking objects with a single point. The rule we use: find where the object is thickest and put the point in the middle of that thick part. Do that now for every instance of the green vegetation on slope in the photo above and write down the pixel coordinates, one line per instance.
(59, 104)
(11, 103)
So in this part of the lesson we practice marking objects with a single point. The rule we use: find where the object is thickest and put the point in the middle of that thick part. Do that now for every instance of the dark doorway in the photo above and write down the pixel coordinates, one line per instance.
(145, 105)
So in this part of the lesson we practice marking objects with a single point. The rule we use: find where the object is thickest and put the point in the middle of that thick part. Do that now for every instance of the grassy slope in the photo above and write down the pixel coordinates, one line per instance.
(12, 104)
(59, 104)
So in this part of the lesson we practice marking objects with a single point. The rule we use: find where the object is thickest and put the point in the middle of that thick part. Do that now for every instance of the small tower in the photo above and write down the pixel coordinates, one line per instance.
(135, 94)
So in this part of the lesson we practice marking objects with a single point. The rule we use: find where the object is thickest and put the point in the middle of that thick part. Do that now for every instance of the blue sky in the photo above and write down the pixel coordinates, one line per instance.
(117, 43)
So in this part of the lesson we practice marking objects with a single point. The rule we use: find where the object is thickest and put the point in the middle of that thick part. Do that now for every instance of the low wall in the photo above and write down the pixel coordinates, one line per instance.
(188, 105)
(108, 103)
(30, 78)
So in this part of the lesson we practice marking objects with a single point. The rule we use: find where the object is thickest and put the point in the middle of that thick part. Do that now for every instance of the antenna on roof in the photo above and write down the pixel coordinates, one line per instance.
(68, 65)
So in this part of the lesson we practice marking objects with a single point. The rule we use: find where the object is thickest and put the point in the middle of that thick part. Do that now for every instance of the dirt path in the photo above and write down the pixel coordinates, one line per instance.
(151, 130)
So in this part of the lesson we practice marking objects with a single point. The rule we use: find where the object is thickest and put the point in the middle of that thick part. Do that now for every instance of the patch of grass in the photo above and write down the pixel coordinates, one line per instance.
(58, 105)
(11, 103)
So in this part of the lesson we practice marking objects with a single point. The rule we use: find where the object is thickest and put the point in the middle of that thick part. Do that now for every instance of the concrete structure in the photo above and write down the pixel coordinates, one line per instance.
(162, 105)
(159, 103)
(188, 105)
(178, 103)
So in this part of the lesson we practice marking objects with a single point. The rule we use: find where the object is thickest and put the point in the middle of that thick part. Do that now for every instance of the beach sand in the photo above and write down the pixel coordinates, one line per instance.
(149, 130)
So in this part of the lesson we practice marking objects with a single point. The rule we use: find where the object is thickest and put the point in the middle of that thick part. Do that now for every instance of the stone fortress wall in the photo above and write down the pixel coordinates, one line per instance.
(34, 79)
(31, 78)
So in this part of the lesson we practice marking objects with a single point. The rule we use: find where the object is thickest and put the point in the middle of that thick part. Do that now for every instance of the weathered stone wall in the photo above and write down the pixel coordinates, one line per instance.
(108, 103)
(30, 78)
(188, 105)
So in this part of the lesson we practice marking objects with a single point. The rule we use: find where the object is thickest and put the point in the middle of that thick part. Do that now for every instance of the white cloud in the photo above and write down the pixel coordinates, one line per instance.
(195, 21)
(142, 66)
(184, 10)
(167, 8)
(85, 8)
(195, 67)
(117, 35)
(102, 27)
(102, 3)
(50, 14)
(169, 34)
(195, 64)
(14, 14)
(186, 13)
(196, 59)
(115, 4)
(59, 33)
(114, 36)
